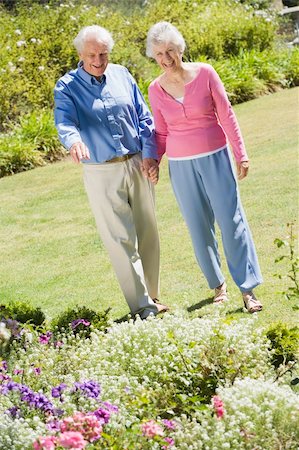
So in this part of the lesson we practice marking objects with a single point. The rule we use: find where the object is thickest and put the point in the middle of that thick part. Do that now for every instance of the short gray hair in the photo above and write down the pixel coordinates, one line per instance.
(164, 32)
(93, 32)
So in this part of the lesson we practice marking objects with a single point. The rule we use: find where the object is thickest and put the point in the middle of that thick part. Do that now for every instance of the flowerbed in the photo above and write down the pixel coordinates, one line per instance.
(156, 384)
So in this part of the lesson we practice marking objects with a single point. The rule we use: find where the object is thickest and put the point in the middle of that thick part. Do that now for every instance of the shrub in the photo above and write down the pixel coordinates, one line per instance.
(22, 312)
(31, 143)
(78, 319)
(284, 343)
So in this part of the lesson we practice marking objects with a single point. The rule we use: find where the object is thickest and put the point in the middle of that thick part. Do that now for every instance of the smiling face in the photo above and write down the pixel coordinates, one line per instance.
(168, 56)
(95, 57)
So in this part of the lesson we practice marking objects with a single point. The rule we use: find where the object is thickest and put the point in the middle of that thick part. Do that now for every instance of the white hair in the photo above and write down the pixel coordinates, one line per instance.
(164, 32)
(93, 32)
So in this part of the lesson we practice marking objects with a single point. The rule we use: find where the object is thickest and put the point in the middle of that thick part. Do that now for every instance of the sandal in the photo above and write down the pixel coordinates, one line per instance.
(251, 303)
(221, 294)
(161, 308)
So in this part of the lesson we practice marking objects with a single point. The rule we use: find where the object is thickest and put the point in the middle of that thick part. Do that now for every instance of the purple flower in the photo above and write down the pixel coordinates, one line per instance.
(14, 411)
(45, 338)
(170, 424)
(53, 425)
(13, 326)
(90, 389)
(58, 390)
(3, 366)
(77, 322)
(37, 370)
(102, 415)
(111, 408)
(4, 377)
(34, 400)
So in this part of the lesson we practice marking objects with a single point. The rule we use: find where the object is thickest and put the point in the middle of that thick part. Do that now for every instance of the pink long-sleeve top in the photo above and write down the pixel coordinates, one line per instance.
(201, 124)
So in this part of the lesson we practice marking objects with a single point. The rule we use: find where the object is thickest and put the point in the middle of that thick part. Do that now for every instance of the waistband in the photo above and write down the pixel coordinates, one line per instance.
(120, 158)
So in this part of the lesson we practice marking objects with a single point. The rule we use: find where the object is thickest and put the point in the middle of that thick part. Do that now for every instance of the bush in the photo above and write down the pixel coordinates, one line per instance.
(284, 343)
(78, 319)
(31, 143)
(22, 312)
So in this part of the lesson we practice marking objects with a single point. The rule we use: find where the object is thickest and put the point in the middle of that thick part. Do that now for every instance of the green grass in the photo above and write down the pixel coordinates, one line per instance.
(50, 254)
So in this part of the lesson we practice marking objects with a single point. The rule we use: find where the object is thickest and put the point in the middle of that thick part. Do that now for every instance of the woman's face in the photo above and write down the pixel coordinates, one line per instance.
(168, 57)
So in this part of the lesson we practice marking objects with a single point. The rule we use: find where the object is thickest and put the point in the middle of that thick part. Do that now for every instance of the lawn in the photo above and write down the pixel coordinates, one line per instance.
(52, 257)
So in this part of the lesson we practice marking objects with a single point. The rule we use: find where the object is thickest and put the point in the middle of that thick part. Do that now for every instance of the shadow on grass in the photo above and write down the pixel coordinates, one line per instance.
(235, 311)
(124, 318)
(201, 304)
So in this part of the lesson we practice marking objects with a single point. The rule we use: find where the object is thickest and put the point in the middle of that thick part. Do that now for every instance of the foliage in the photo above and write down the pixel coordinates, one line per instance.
(23, 313)
(124, 386)
(30, 143)
(258, 414)
(284, 343)
(258, 4)
(292, 259)
(37, 49)
(79, 319)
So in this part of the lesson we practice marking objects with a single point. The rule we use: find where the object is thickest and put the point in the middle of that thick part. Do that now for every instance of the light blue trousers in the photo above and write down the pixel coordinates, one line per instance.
(206, 189)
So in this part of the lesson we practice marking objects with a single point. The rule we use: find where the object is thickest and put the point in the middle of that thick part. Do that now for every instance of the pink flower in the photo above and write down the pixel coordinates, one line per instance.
(44, 443)
(218, 406)
(45, 338)
(169, 441)
(170, 424)
(72, 440)
(87, 425)
(151, 429)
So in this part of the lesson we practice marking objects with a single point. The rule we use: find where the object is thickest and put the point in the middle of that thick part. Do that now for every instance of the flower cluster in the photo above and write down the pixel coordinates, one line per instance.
(218, 406)
(147, 370)
(153, 430)
(34, 400)
(90, 389)
(72, 432)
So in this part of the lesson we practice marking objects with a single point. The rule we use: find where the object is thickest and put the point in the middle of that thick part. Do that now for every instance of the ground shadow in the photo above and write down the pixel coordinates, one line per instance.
(122, 319)
(201, 304)
(235, 311)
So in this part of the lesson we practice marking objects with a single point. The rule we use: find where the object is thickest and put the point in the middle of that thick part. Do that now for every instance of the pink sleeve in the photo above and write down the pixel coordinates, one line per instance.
(227, 117)
(160, 124)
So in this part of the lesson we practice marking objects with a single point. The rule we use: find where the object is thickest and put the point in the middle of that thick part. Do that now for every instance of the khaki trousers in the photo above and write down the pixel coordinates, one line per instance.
(123, 204)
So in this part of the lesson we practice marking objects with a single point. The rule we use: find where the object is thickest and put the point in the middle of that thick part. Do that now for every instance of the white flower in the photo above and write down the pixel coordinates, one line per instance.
(33, 40)
(5, 333)
(21, 59)
(41, 68)
(19, 32)
(21, 43)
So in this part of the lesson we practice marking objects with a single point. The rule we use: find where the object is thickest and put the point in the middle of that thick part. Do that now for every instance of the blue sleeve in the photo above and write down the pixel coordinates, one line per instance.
(146, 123)
(66, 117)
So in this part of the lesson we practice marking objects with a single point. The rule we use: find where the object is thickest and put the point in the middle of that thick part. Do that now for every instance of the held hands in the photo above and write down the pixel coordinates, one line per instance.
(79, 151)
(242, 169)
(150, 169)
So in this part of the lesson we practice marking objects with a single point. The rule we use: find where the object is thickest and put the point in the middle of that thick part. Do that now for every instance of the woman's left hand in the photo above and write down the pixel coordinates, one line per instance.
(242, 169)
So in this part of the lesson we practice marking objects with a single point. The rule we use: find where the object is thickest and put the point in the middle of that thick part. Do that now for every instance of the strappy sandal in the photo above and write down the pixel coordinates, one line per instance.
(251, 303)
(221, 294)
(161, 308)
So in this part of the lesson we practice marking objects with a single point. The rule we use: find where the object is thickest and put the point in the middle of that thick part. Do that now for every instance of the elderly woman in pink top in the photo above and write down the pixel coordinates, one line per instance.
(194, 122)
